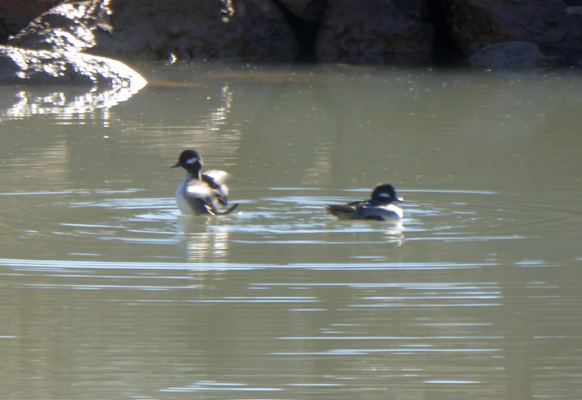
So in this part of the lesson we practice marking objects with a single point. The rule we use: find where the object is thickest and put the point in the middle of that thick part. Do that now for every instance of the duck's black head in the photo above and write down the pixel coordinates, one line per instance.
(385, 193)
(190, 160)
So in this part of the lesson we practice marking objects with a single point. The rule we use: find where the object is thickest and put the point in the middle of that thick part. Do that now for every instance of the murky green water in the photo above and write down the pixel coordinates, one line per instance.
(106, 292)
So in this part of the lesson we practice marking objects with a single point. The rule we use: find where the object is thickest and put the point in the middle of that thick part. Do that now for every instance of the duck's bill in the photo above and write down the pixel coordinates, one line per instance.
(399, 199)
(175, 166)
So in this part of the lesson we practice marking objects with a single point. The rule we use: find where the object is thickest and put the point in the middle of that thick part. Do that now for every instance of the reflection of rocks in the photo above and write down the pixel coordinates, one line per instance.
(70, 102)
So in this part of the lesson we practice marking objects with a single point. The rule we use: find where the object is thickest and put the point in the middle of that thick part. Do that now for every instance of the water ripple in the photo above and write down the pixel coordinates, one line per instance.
(26, 264)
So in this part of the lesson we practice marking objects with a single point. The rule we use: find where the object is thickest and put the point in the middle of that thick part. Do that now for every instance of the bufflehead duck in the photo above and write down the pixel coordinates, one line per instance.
(378, 208)
(201, 194)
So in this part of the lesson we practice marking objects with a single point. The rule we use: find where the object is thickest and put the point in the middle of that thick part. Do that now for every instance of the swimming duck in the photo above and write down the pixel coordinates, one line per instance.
(378, 208)
(201, 193)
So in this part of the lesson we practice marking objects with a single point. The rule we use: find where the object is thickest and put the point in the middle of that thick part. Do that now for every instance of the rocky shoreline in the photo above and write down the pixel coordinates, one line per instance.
(497, 34)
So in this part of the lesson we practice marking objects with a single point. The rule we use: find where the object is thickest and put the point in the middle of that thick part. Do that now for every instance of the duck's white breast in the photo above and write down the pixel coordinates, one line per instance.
(180, 196)
(387, 213)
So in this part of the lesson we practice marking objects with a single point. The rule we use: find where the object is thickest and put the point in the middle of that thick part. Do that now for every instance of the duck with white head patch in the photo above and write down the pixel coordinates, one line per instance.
(201, 193)
(379, 208)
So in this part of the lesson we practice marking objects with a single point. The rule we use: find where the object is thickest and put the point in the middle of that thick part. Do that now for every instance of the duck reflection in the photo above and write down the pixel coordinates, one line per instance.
(394, 234)
(204, 242)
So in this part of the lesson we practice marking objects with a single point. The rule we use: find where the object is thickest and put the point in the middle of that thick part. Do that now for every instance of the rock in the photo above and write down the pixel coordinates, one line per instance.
(16, 14)
(245, 30)
(390, 32)
(570, 51)
(49, 51)
(304, 18)
(307, 10)
(509, 56)
(477, 23)
(66, 27)
(57, 68)
(375, 32)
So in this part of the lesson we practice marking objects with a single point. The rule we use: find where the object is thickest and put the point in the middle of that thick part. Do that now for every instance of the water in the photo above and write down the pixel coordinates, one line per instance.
(108, 293)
